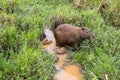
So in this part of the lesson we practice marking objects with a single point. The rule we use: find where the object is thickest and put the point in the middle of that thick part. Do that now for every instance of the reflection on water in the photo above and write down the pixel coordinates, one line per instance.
(64, 70)
(49, 42)
(69, 72)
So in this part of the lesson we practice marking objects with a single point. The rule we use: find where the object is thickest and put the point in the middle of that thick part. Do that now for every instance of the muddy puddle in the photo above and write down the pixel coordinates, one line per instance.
(49, 43)
(64, 70)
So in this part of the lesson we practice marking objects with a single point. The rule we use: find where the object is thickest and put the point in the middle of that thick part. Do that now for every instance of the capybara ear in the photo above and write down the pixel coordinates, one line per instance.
(83, 28)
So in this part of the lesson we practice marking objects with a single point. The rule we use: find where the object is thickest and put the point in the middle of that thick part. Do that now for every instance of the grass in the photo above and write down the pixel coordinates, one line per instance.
(22, 21)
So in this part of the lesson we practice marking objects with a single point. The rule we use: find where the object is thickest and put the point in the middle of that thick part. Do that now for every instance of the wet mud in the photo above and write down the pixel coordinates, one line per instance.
(64, 70)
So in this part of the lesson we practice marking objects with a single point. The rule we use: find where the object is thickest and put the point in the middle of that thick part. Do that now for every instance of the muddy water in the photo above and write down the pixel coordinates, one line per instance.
(64, 69)
(49, 43)
(69, 72)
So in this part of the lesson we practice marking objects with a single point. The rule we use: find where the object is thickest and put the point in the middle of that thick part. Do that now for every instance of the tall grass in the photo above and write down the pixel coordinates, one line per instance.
(22, 21)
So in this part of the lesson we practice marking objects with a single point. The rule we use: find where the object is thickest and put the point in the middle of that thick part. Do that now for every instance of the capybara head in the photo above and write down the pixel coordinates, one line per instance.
(87, 33)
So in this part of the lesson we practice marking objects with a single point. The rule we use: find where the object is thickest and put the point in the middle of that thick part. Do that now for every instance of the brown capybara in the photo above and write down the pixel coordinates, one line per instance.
(72, 36)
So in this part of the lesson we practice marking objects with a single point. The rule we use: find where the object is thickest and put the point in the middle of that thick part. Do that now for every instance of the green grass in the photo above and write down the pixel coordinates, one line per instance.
(22, 21)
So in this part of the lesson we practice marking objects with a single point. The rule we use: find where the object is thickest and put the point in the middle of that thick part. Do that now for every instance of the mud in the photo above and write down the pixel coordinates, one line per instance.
(69, 72)
(63, 67)
(49, 43)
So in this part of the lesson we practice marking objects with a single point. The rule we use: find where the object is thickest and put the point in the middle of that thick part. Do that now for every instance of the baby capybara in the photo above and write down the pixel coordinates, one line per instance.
(69, 35)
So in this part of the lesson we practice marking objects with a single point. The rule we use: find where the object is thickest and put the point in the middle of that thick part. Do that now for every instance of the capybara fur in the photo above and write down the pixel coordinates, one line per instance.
(69, 35)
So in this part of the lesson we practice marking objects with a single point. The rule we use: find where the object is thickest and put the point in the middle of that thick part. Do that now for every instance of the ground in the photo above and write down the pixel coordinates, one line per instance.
(22, 21)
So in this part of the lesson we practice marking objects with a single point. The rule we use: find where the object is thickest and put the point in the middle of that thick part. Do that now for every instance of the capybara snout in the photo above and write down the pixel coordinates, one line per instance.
(87, 34)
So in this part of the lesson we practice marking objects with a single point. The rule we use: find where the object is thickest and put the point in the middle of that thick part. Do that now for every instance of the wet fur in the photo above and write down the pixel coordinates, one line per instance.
(68, 35)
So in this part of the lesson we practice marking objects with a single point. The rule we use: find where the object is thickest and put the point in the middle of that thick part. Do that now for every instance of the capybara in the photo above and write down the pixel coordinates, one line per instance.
(69, 35)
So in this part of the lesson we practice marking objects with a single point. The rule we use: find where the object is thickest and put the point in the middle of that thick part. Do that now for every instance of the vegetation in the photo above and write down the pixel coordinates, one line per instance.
(22, 21)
